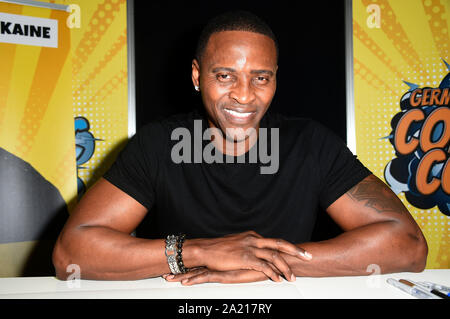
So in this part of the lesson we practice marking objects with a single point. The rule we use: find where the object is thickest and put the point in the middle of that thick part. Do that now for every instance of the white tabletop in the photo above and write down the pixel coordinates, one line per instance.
(363, 287)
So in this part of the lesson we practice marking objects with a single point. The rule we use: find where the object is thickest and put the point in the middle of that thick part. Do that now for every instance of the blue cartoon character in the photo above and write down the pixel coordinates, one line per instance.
(84, 147)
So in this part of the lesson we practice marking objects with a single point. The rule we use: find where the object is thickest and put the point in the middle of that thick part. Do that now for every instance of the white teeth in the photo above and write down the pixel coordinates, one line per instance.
(238, 114)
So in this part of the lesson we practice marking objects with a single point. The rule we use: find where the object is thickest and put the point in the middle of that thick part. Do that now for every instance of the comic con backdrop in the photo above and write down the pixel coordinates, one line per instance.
(63, 109)
(402, 116)
(63, 118)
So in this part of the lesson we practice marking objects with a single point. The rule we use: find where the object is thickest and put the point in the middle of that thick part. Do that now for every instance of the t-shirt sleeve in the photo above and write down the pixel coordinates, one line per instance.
(339, 168)
(136, 166)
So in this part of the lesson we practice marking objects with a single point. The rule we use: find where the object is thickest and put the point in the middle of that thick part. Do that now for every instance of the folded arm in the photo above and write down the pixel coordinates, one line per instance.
(378, 230)
(97, 238)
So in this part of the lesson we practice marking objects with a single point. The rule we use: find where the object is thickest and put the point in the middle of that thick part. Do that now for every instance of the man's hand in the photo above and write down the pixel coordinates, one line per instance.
(247, 251)
(203, 275)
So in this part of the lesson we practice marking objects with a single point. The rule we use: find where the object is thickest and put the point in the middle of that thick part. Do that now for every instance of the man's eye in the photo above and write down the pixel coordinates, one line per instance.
(223, 77)
(261, 79)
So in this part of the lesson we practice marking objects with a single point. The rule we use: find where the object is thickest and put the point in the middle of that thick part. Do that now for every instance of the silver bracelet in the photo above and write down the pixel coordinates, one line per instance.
(171, 254)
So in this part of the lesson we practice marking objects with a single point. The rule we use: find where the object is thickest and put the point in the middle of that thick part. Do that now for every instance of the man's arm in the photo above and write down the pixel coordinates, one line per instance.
(378, 230)
(97, 238)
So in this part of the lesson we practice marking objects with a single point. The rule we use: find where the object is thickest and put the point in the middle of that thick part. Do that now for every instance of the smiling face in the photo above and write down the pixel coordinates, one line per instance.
(237, 79)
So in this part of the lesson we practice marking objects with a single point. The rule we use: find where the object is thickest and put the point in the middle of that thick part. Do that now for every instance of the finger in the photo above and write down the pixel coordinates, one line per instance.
(199, 278)
(274, 258)
(226, 277)
(249, 233)
(304, 254)
(275, 269)
(181, 277)
(262, 266)
(252, 233)
(243, 276)
(283, 246)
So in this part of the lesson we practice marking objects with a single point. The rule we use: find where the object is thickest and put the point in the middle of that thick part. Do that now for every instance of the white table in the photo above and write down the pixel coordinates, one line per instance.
(364, 287)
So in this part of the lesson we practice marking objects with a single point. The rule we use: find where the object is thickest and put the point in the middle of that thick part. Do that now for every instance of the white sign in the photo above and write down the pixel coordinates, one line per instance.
(27, 30)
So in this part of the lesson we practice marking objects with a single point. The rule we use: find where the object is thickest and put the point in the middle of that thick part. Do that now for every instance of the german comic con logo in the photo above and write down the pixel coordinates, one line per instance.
(421, 137)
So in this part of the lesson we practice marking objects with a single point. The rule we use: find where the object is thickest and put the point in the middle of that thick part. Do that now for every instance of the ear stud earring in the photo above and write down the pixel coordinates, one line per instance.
(197, 88)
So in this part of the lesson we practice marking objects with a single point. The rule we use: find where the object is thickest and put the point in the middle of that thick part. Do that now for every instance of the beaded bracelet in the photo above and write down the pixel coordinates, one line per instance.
(180, 242)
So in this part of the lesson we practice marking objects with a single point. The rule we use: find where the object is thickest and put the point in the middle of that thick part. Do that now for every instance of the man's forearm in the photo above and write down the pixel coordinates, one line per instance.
(103, 253)
(352, 252)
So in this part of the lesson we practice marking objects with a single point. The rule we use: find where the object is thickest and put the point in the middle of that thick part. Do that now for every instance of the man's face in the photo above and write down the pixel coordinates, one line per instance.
(237, 79)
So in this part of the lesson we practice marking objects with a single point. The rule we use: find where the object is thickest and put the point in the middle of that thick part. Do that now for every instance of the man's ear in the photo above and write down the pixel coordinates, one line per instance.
(195, 73)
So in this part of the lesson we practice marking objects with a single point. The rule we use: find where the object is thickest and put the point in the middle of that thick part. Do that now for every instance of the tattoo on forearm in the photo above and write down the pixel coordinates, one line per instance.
(376, 195)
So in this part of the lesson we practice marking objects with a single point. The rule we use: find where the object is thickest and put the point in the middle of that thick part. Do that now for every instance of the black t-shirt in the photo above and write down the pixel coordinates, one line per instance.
(204, 199)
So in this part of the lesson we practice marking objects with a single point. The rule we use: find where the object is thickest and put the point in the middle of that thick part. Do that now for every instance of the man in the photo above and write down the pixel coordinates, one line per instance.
(241, 224)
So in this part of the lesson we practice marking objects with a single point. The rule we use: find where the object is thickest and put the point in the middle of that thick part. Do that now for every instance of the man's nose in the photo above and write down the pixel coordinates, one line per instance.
(243, 92)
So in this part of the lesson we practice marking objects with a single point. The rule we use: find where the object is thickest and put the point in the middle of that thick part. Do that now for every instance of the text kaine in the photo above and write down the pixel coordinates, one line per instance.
(24, 30)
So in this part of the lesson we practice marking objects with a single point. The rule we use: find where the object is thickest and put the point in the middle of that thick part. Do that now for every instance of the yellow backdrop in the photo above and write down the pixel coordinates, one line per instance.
(399, 46)
(54, 102)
